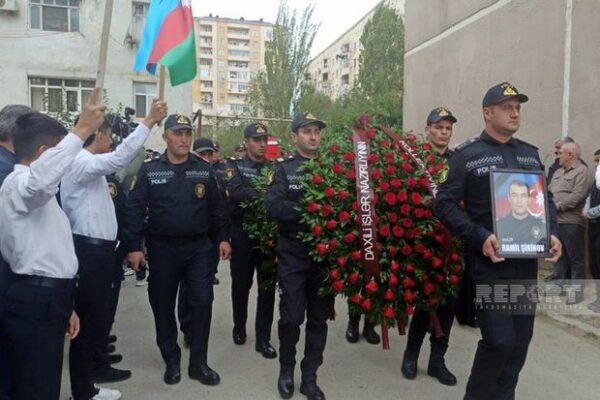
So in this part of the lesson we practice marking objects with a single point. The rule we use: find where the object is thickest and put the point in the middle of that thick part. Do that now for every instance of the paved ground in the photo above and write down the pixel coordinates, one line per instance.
(562, 363)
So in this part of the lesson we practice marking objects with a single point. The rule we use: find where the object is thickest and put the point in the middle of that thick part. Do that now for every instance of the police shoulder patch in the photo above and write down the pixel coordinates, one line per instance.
(112, 189)
(467, 143)
(229, 173)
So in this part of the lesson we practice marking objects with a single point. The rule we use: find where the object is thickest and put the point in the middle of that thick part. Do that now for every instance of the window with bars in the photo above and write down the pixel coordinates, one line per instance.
(57, 95)
(54, 15)
(143, 94)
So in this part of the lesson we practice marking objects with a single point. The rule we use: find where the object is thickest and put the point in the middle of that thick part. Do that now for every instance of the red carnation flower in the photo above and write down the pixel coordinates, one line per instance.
(349, 238)
(317, 230)
(356, 298)
(392, 217)
(312, 207)
(419, 213)
(407, 223)
(337, 169)
(337, 286)
(436, 263)
(354, 278)
(396, 183)
(326, 210)
(333, 244)
(420, 248)
(410, 268)
(343, 195)
(356, 255)
(416, 198)
(397, 231)
(406, 250)
(389, 295)
(394, 280)
(329, 192)
(428, 288)
(391, 170)
(454, 280)
(428, 255)
(371, 287)
(334, 274)
(457, 268)
(407, 167)
(384, 186)
(408, 283)
(350, 174)
(333, 149)
(366, 305)
(376, 174)
(394, 266)
(341, 261)
(371, 134)
(378, 248)
(389, 312)
(348, 156)
(392, 251)
(322, 249)
(405, 210)
(410, 310)
(317, 179)
(372, 158)
(390, 198)
(402, 196)
(384, 144)
(424, 182)
(411, 137)
(409, 296)
(384, 231)
(331, 224)
(412, 183)
(390, 157)
(426, 146)
(355, 207)
(454, 257)
(344, 216)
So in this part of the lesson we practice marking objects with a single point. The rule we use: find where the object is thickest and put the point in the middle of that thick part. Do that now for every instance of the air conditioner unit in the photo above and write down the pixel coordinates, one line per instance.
(8, 5)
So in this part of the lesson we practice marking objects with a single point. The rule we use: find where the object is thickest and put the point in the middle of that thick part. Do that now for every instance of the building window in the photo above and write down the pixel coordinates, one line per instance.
(143, 94)
(239, 108)
(205, 28)
(324, 63)
(58, 95)
(54, 15)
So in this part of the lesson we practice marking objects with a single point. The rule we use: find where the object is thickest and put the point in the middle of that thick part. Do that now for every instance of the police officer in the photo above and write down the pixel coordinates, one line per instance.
(438, 132)
(298, 273)
(180, 194)
(245, 257)
(505, 339)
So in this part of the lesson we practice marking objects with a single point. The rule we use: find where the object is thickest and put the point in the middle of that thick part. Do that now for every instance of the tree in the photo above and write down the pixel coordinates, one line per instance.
(275, 91)
(381, 67)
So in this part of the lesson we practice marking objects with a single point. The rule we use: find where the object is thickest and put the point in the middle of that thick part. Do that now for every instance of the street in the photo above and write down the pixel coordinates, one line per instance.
(560, 364)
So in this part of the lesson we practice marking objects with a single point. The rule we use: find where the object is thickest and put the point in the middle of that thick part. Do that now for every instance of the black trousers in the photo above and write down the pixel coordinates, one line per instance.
(594, 246)
(35, 320)
(299, 283)
(572, 261)
(170, 263)
(419, 325)
(184, 310)
(500, 355)
(245, 259)
(92, 304)
(6, 278)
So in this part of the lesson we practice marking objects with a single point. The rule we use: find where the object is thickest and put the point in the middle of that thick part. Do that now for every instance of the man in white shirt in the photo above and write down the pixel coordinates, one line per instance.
(86, 200)
(36, 241)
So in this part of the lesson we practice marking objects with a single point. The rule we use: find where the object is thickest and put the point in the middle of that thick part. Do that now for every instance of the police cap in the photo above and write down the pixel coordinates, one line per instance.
(502, 92)
(177, 122)
(255, 130)
(438, 114)
(303, 119)
(203, 144)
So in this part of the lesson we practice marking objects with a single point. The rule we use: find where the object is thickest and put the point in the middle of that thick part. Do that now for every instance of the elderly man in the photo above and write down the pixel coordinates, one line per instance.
(570, 185)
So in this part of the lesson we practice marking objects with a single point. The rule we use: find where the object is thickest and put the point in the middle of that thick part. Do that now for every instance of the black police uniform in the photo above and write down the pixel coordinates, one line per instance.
(246, 256)
(299, 275)
(505, 336)
(182, 202)
(594, 240)
(420, 324)
(528, 230)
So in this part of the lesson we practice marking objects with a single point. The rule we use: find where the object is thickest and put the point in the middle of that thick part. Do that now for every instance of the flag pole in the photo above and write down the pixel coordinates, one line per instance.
(101, 72)
(161, 83)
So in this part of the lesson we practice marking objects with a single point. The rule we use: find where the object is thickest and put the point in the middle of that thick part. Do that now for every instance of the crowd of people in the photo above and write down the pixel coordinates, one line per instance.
(74, 206)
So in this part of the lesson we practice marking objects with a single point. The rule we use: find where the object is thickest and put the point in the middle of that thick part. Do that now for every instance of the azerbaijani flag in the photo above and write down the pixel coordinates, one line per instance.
(168, 40)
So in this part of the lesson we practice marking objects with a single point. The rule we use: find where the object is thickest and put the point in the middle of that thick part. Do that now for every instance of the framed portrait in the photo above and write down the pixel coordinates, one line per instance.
(520, 213)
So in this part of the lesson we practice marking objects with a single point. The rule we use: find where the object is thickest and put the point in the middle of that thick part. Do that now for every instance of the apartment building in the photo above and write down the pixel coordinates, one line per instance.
(230, 53)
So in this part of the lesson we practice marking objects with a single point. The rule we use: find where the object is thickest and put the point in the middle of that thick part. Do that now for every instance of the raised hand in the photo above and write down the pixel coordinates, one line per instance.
(91, 117)
(158, 111)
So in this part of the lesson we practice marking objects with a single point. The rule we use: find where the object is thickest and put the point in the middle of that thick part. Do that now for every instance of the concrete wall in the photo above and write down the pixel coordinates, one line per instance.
(74, 55)
(456, 50)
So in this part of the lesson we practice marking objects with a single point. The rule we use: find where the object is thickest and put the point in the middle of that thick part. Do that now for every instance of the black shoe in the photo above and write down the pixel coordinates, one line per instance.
(216, 281)
(114, 358)
(285, 383)
(112, 338)
(437, 369)
(409, 365)
(312, 391)
(205, 375)
(112, 375)
(239, 336)
(369, 333)
(172, 375)
(266, 349)
(352, 331)
(110, 348)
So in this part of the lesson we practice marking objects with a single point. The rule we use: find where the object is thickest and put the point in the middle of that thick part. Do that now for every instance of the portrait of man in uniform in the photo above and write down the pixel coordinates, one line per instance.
(520, 213)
